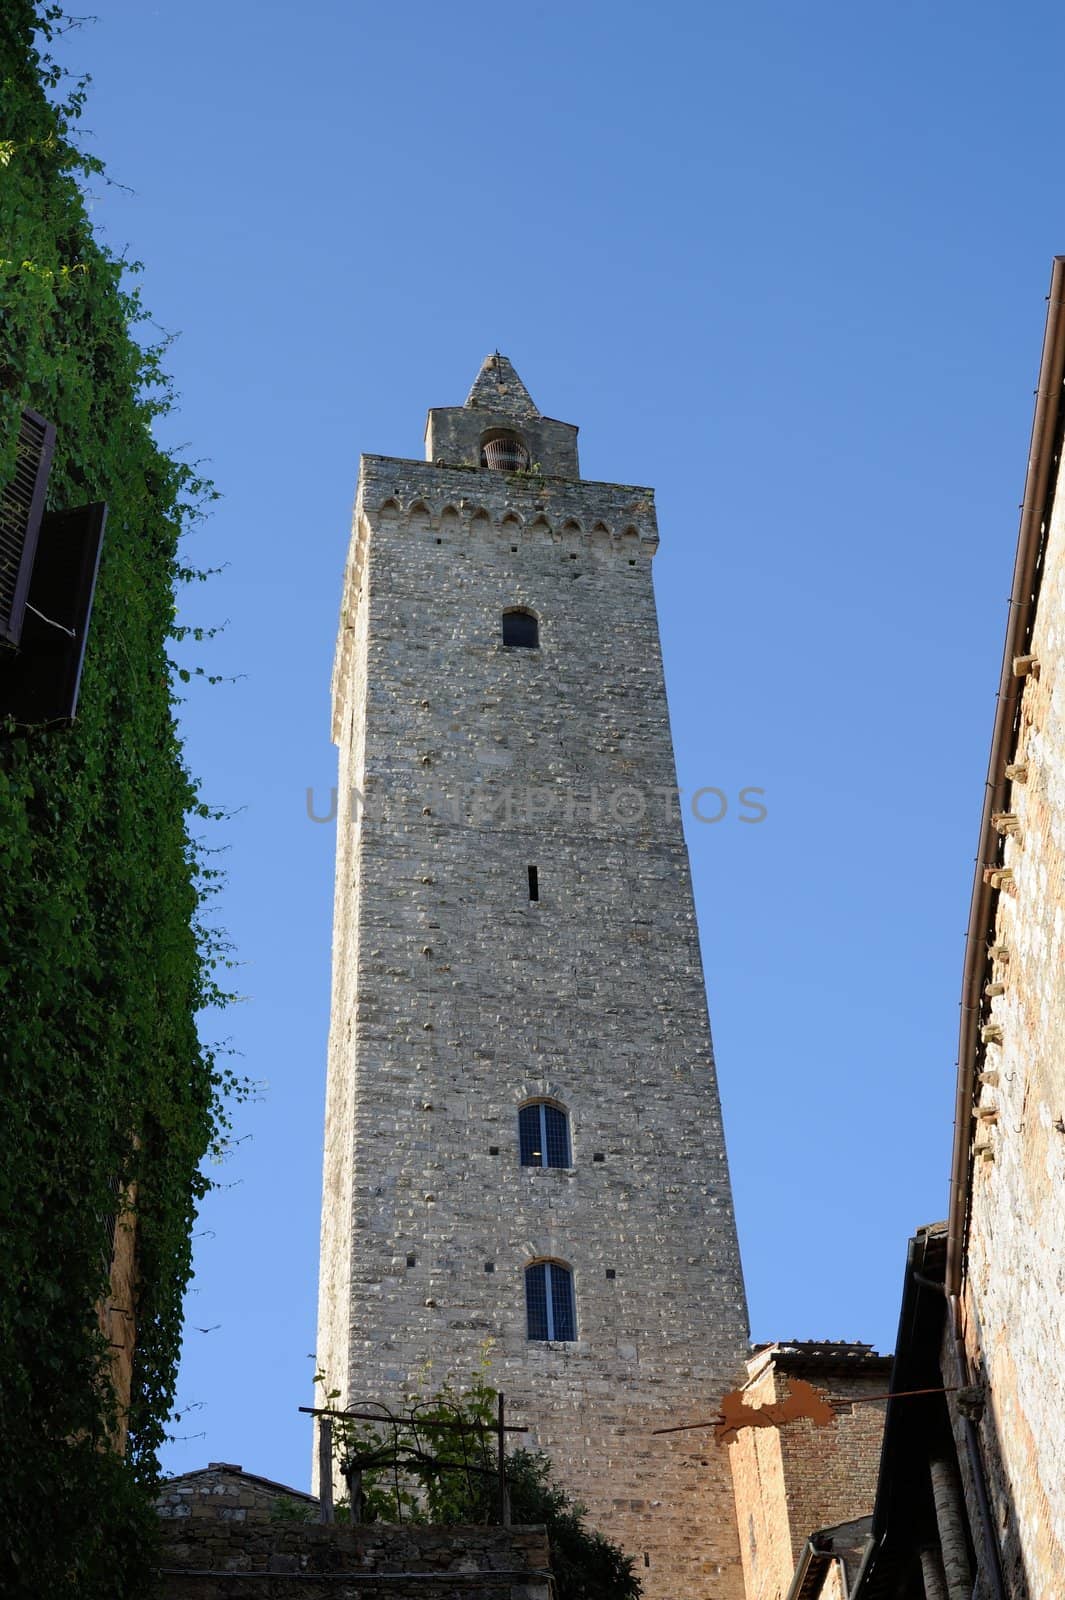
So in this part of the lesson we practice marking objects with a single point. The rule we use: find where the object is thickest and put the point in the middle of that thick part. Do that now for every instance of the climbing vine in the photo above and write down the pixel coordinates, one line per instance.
(106, 954)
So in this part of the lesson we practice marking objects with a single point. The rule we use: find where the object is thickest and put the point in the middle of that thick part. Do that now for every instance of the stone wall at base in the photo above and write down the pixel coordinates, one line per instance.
(208, 1558)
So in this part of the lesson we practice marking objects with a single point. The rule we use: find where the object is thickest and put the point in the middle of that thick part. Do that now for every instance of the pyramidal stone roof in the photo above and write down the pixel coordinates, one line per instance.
(497, 387)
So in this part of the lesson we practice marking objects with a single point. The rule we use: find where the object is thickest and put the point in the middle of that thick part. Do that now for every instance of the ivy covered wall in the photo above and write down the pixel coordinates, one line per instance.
(104, 963)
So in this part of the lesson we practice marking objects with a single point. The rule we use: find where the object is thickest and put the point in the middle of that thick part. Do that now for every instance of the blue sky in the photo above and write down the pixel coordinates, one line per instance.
(786, 264)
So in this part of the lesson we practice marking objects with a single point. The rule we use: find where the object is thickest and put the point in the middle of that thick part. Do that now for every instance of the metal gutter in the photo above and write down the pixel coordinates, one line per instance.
(815, 1564)
(1038, 491)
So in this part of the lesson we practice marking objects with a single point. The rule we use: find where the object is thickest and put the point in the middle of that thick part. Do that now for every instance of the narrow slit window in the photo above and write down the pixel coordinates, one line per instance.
(521, 630)
(550, 1308)
(543, 1135)
(534, 884)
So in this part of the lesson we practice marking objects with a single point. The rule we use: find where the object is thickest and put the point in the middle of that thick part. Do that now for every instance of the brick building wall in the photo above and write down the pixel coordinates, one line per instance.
(792, 1480)
(457, 998)
(831, 1472)
(1014, 1305)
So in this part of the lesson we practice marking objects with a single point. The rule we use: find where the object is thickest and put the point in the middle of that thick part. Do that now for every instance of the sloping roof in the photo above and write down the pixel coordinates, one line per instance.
(232, 1470)
(1040, 488)
(798, 1354)
(819, 1360)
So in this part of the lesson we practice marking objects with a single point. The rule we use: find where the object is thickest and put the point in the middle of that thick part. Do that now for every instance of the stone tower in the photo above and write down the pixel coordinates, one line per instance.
(523, 1138)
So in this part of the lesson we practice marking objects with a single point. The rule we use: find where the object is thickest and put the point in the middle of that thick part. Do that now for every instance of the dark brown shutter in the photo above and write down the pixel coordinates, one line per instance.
(40, 683)
(21, 510)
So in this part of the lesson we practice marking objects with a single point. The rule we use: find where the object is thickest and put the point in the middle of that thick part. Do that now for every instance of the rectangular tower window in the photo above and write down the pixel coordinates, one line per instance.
(534, 884)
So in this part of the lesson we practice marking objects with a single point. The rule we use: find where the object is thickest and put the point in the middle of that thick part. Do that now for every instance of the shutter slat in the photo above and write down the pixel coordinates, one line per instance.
(21, 510)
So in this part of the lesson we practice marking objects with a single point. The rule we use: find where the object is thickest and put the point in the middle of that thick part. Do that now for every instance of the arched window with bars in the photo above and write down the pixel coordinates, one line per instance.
(550, 1305)
(543, 1135)
(504, 451)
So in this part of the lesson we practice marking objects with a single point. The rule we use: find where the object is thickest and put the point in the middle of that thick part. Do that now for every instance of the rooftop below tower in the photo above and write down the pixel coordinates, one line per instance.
(500, 429)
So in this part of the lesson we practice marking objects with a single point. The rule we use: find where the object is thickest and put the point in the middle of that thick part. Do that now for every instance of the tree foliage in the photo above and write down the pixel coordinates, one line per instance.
(105, 958)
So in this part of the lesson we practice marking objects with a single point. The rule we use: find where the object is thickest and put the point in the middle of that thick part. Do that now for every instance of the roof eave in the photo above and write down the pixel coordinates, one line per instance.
(1038, 493)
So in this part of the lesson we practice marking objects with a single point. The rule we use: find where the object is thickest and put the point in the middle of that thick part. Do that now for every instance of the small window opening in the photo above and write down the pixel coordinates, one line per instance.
(504, 452)
(521, 629)
(534, 884)
(550, 1311)
(543, 1135)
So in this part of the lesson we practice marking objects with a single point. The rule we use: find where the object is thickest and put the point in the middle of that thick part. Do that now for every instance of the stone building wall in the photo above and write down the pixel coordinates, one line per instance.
(1015, 1289)
(795, 1479)
(457, 998)
(117, 1315)
(227, 1532)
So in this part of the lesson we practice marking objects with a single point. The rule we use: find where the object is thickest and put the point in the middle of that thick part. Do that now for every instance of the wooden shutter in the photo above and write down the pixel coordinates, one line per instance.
(21, 511)
(40, 683)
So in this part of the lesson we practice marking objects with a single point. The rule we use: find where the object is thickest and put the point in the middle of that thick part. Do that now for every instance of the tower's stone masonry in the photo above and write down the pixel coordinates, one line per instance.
(458, 997)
